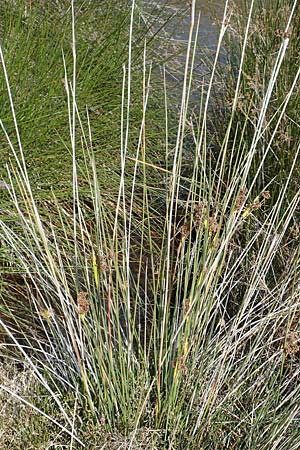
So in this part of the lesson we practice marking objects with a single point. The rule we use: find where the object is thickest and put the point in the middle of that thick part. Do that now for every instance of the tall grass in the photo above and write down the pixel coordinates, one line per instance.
(269, 28)
(176, 310)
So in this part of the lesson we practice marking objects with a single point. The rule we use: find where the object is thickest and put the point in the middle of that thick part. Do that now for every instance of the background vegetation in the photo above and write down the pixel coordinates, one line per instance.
(37, 42)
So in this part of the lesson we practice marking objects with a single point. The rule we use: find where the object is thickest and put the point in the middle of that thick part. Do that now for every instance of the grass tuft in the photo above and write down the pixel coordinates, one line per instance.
(165, 315)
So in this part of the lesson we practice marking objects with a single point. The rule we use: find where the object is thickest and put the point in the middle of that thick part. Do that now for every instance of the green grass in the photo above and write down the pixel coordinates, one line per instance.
(34, 47)
(171, 318)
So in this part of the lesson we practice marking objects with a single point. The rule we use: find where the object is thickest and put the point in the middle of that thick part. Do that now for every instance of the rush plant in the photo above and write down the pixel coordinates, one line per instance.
(174, 308)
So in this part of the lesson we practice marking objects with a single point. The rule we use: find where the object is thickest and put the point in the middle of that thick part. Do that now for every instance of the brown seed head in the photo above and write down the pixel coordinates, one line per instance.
(103, 264)
(213, 225)
(83, 303)
(266, 195)
(240, 201)
(111, 255)
(199, 212)
(292, 344)
(256, 205)
(185, 230)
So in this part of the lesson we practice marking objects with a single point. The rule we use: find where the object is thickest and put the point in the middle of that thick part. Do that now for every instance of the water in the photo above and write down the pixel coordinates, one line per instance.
(209, 11)
(156, 12)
